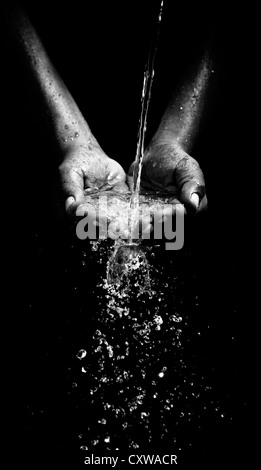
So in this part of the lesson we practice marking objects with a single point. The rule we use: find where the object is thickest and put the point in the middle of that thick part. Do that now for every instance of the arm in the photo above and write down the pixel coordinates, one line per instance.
(167, 166)
(67, 120)
(83, 164)
(181, 119)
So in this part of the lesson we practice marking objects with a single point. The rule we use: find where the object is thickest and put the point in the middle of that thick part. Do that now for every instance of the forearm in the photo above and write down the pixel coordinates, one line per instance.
(70, 128)
(180, 121)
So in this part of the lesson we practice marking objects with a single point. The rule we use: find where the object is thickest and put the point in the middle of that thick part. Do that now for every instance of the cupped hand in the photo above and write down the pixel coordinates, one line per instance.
(169, 171)
(86, 169)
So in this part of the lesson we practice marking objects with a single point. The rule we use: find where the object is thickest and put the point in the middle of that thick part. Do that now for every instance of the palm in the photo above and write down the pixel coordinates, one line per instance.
(89, 170)
(168, 170)
(158, 171)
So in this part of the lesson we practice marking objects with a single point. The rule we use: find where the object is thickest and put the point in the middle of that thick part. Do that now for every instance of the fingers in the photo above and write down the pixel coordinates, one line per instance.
(71, 205)
(186, 180)
(116, 178)
(190, 181)
(121, 188)
(73, 187)
(160, 224)
(97, 224)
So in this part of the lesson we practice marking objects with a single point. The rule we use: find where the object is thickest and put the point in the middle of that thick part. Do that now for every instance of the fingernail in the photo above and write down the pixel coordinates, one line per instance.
(195, 199)
(69, 201)
(111, 176)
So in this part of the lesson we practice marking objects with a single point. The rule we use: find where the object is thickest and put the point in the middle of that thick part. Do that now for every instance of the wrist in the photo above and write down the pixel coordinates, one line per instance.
(166, 141)
(83, 150)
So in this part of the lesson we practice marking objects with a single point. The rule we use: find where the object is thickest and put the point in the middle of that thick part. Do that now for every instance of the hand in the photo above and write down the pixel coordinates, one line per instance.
(87, 168)
(169, 171)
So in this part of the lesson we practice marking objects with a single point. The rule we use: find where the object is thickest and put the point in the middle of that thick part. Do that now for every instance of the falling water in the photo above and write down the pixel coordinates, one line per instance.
(145, 101)
(127, 254)
(133, 363)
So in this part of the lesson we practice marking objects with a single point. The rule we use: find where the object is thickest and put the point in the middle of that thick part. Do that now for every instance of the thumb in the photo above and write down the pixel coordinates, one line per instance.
(191, 184)
(121, 188)
(73, 188)
(71, 204)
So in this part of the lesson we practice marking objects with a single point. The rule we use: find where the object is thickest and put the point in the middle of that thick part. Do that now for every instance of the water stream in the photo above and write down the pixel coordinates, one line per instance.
(145, 102)
(125, 253)
(148, 77)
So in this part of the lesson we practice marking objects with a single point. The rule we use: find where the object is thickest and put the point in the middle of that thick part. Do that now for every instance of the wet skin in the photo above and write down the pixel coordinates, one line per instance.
(168, 168)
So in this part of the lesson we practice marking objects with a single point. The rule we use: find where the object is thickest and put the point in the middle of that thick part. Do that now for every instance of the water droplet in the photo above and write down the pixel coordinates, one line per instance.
(102, 421)
(158, 319)
(81, 354)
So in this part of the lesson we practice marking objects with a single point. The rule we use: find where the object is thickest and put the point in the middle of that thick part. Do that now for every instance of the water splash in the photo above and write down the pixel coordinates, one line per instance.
(126, 259)
(124, 227)
(134, 365)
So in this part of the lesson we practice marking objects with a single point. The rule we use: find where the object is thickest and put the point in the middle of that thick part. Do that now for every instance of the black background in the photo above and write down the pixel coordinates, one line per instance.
(100, 49)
